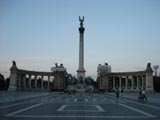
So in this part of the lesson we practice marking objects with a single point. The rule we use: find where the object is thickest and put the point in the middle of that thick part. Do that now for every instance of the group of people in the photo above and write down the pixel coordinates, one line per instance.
(142, 94)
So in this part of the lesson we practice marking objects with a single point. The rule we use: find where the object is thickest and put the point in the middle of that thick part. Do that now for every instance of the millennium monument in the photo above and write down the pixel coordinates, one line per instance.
(81, 71)
(56, 79)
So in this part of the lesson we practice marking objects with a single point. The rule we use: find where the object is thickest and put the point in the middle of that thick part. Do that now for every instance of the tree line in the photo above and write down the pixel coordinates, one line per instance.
(4, 83)
(156, 83)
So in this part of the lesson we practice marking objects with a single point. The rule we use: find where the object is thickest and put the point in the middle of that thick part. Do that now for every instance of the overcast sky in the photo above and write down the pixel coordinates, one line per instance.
(38, 33)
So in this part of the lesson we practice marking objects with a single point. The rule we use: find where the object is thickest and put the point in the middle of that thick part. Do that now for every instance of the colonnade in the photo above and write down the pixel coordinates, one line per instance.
(32, 82)
(129, 81)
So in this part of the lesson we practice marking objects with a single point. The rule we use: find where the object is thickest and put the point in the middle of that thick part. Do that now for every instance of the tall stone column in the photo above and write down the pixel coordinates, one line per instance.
(81, 71)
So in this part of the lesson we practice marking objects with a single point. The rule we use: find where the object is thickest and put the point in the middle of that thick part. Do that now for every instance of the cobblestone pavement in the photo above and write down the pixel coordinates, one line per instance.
(6, 96)
(151, 96)
(80, 106)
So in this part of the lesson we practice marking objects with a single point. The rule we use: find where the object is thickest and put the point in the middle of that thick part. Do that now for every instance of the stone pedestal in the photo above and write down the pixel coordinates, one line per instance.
(13, 78)
(149, 81)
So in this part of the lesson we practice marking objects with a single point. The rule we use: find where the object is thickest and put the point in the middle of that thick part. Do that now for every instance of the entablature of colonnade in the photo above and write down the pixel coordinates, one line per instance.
(147, 71)
(40, 73)
(137, 73)
(58, 71)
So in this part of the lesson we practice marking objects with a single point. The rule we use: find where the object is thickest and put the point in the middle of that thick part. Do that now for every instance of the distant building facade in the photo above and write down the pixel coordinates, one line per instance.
(25, 80)
(127, 81)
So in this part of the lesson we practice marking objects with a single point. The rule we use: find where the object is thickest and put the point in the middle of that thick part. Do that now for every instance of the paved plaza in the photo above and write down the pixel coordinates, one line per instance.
(80, 106)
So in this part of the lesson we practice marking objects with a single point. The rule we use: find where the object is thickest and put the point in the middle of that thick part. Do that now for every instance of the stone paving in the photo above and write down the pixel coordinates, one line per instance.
(151, 96)
(6, 96)
(79, 106)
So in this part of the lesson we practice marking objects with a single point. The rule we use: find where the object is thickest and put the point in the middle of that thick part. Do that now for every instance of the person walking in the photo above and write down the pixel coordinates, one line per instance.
(117, 93)
(140, 97)
(144, 95)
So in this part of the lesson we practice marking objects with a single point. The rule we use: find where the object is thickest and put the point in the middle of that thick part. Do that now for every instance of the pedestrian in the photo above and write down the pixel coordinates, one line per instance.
(144, 95)
(140, 97)
(140, 93)
(117, 93)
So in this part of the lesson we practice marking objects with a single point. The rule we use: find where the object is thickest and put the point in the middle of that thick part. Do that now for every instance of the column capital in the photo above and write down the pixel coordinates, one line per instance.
(81, 29)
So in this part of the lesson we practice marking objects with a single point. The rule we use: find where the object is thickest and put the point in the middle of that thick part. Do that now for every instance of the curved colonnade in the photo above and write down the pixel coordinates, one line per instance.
(34, 80)
(128, 81)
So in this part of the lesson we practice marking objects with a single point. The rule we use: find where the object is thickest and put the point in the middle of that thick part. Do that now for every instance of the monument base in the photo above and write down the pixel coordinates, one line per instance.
(80, 87)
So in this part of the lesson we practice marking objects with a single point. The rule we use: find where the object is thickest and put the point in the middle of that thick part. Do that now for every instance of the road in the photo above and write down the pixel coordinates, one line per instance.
(80, 106)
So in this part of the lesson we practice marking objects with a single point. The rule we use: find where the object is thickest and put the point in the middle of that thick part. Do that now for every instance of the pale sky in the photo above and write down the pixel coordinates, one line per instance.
(38, 33)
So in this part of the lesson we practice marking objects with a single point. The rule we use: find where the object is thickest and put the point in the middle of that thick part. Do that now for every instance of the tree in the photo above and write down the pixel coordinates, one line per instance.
(2, 82)
(156, 83)
(89, 81)
(7, 83)
(71, 80)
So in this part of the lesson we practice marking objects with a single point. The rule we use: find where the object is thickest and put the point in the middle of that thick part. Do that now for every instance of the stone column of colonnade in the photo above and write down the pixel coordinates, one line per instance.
(35, 83)
(42, 82)
(138, 82)
(19, 82)
(126, 83)
(135, 82)
(120, 82)
(19, 86)
(48, 82)
(142, 82)
(23, 82)
(131, 80)
(113, 83)
(30, 81)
